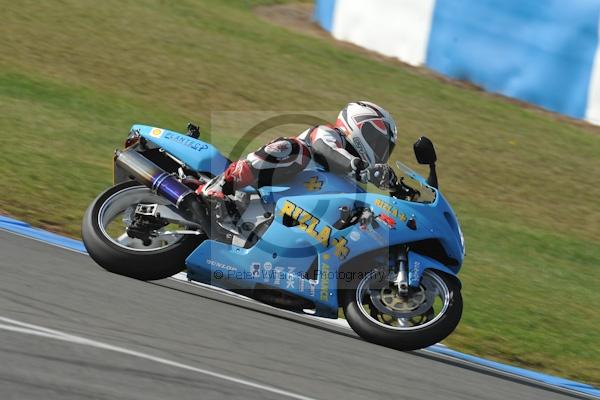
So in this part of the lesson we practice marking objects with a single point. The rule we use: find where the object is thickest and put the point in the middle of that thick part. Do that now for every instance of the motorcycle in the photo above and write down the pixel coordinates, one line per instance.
(311, 245)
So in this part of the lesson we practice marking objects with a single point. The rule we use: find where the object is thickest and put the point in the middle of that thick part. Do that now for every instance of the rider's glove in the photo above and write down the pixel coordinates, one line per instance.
(382, 176)
(360, 169)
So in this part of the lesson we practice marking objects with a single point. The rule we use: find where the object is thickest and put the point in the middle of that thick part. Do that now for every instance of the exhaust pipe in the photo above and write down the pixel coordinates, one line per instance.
(161, 182)
(146, 172)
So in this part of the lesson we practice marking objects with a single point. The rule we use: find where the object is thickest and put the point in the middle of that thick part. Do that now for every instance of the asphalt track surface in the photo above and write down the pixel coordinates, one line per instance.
(70, 330)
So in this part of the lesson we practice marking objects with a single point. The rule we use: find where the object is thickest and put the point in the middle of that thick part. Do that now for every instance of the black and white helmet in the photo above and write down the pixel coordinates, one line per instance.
(370, 129)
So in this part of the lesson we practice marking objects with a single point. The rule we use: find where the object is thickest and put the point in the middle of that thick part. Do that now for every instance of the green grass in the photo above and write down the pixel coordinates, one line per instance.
(74, 75)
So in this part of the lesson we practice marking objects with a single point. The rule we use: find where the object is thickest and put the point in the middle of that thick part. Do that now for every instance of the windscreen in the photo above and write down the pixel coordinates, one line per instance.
(426, 194)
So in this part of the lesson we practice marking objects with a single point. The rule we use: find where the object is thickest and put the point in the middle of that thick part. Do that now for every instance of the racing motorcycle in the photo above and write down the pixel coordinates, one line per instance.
(312, 245)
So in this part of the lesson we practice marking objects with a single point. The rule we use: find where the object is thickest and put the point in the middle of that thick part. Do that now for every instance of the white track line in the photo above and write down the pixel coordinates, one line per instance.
(22, 327)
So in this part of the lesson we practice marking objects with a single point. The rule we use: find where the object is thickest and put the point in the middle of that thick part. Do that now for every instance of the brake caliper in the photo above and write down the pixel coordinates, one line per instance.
(145, 222)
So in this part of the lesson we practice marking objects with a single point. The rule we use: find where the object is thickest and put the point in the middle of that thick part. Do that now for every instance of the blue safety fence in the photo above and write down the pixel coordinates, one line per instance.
(324, 10)
(539, 51)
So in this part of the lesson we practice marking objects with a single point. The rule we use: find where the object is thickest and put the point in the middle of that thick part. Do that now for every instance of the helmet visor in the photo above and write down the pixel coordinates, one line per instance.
(380, 142)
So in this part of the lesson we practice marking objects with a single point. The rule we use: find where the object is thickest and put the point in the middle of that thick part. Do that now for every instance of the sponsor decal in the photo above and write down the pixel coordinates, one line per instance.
(360, 148)
(390, 209)
(217, 264)
(312, 288)
(306, 222)
(354, 236)
(156, 132)
(289, 284)
(341, 250)
(389, 221)
(416, 267)
(313, 184)
(268, 267)
(255, 270)
(301, 285)
(278, 271)
(186, 141)
(325, 283)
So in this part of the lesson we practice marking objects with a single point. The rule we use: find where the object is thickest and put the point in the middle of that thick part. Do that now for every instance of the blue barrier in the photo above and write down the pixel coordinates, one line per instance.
(323, 14)
(538, 51)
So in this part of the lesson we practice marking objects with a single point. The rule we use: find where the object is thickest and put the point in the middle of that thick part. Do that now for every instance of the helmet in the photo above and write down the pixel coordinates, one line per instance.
(370, 130)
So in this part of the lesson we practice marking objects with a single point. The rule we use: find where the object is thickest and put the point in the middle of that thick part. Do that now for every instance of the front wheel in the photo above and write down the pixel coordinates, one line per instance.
(104, 235)
(423, 317)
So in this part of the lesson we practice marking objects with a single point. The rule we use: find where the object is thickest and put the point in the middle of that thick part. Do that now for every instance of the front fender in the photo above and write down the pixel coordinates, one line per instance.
(417, 264)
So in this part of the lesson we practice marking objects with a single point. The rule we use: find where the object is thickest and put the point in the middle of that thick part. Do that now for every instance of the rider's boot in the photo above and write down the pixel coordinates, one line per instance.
(216, 189)
(218, 192)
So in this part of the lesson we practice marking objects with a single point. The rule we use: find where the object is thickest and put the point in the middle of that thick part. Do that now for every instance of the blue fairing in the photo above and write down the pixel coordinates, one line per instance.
(196, 154)
(313, 200)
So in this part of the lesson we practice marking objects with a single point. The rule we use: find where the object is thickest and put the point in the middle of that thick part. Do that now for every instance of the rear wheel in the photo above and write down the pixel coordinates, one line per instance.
(106, 240)
(427, 315)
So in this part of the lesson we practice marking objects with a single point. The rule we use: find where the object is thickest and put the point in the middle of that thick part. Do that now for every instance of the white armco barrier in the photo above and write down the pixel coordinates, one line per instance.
(402, 31)
(592, 113)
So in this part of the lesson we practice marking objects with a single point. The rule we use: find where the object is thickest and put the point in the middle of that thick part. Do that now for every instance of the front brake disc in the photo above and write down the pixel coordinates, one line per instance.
(418, 302)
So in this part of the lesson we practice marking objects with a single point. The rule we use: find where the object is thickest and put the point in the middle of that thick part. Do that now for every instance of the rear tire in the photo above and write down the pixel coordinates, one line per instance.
(144, 264)
(413, 337)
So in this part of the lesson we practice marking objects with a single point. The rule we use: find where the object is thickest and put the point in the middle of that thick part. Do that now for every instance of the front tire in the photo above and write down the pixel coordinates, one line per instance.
(422, 327)
(126, 256)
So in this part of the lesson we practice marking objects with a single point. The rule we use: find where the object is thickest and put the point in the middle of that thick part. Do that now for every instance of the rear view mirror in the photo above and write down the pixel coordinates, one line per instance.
(424, 151)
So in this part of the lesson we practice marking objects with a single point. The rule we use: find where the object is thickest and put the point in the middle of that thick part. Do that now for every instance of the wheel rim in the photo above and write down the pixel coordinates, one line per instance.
(381, 304)
(115, 215)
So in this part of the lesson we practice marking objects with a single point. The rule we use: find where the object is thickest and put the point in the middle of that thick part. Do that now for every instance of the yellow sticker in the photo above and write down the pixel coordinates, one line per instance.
(156, 132)
(306, 222)
(390, 209)
(341, 250)
(325, 283)
(313, 184)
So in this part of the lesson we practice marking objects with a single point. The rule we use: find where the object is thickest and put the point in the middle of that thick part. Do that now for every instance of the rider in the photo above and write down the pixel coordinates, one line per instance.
(359, 143)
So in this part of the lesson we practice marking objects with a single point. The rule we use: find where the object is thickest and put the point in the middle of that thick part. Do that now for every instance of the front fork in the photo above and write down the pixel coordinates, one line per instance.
(401, 280)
